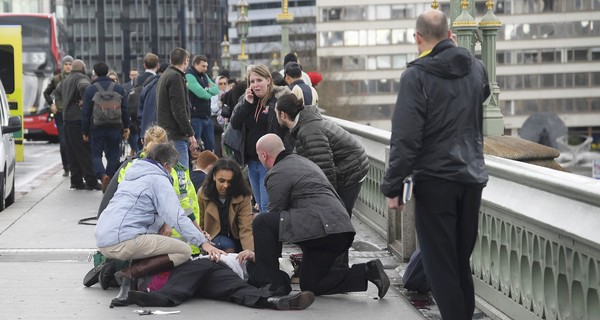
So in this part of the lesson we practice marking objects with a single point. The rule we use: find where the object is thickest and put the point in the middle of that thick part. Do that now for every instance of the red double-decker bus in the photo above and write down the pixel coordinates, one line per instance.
(44, 44)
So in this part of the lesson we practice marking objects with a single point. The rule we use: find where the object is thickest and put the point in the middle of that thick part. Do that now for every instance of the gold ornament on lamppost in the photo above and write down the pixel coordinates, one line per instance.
(435, 5)
(285, 18)
(215, 70)
(225, 56)
(242, 25)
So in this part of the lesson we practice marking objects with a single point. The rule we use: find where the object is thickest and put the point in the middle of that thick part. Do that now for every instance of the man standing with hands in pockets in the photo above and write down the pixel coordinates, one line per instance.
(437, 136)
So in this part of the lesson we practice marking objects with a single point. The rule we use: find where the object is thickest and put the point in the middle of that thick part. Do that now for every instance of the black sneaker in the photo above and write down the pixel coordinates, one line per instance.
(65, 173)
(97, 186)
(106, 276)
(78, 186)
(91, 278)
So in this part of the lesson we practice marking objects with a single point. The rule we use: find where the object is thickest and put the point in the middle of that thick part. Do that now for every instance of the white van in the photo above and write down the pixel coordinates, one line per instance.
(8, 125)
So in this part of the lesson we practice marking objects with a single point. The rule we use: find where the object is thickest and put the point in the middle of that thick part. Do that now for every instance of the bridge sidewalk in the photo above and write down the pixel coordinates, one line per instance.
(44, 254)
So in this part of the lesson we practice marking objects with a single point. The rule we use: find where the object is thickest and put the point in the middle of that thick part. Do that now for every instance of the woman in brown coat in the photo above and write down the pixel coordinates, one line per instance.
(226, 207)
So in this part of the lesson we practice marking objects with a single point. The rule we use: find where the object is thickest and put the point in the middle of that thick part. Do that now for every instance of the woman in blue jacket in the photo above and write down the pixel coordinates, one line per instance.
(144, 207)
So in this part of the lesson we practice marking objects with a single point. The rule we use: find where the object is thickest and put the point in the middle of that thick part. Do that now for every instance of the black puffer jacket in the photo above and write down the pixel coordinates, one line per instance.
(438, 120)
(341, 157)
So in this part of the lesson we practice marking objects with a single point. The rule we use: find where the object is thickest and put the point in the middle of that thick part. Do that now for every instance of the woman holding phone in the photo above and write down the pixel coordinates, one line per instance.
(255, 116)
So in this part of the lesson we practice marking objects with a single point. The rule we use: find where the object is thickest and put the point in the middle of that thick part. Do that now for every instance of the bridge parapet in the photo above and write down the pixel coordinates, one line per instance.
(537, 254)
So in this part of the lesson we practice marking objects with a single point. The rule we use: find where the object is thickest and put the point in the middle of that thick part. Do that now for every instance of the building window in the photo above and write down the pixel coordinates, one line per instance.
(383, 37)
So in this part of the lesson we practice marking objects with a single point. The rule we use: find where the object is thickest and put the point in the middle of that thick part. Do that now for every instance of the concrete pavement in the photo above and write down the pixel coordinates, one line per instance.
(44, 254)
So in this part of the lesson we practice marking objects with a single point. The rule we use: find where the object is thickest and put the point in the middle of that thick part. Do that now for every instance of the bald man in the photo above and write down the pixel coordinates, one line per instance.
(80, 160)
(437, 136)
(305, 209)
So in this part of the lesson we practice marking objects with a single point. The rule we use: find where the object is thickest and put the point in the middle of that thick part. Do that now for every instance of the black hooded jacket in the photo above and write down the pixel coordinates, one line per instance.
(437, 127)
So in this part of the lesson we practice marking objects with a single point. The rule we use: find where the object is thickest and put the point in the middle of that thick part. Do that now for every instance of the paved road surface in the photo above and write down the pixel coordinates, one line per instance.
(44, 256)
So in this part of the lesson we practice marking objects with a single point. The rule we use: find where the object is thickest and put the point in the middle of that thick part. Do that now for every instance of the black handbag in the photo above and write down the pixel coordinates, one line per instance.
(226, 111)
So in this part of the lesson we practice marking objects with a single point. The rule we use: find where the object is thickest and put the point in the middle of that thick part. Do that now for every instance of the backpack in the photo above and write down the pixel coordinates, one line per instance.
(107, 106)
(133, 100)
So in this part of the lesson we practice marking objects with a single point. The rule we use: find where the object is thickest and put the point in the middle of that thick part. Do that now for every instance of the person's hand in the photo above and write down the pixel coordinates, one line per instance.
(53, 108)
(207, 236)
(193, 143)
(86, 138)
(165, 230)
(395, 203)
(246, 255)
(126, 133)
(214, 254)
(249, 95)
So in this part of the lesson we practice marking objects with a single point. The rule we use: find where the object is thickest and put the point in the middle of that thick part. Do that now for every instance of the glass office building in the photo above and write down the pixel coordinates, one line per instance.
(548, 56)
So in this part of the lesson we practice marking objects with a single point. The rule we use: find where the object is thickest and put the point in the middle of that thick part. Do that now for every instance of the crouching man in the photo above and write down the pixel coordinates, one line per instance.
(305, 209)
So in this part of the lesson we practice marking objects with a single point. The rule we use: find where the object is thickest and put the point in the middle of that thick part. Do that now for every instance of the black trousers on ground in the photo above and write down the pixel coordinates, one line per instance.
(319, 255)
(80, 158)
(206, 279)
(446, 218)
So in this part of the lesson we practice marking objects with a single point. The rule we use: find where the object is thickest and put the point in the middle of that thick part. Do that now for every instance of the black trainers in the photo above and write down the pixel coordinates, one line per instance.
(91, 278)
(96, 186)
(78, 186)
(376, 274)
(65, 173)
(106, 276)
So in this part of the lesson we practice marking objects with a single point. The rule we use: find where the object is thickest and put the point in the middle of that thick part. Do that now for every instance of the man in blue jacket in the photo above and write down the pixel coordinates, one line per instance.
(437, 136)
(103, 138)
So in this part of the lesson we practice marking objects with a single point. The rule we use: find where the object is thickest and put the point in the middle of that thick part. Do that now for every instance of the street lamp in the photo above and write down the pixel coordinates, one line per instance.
(275, 63)
(285, 18)
(225, 56)
(242, 24)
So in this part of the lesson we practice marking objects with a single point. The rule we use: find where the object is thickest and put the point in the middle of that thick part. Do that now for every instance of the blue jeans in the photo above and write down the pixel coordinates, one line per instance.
(105, 140)
(182, 147)
(134, 142)
(256, 175)
(224, 242)
(203, 130)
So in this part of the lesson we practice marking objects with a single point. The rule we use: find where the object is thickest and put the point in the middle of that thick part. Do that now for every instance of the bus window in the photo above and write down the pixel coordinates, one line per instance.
(7, 68)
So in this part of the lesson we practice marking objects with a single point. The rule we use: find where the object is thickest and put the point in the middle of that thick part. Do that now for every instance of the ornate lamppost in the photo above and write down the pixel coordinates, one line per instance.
(215, 70)
(242, 24)
(468, 32)
(225, 56)
(275, 63)
(285, 18)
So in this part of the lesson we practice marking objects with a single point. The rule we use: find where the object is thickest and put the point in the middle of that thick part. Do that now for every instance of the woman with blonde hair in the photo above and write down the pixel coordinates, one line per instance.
(255, 116)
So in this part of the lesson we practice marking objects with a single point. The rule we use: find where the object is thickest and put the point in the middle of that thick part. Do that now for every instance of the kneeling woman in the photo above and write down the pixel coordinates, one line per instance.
(225, 202)
(144, 208)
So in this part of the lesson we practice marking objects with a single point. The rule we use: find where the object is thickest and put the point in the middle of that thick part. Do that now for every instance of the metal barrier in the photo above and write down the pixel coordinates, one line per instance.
(538, 250)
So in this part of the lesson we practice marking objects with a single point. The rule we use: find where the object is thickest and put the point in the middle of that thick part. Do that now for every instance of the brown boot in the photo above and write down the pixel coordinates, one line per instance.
(138, 269)
(143, 267)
